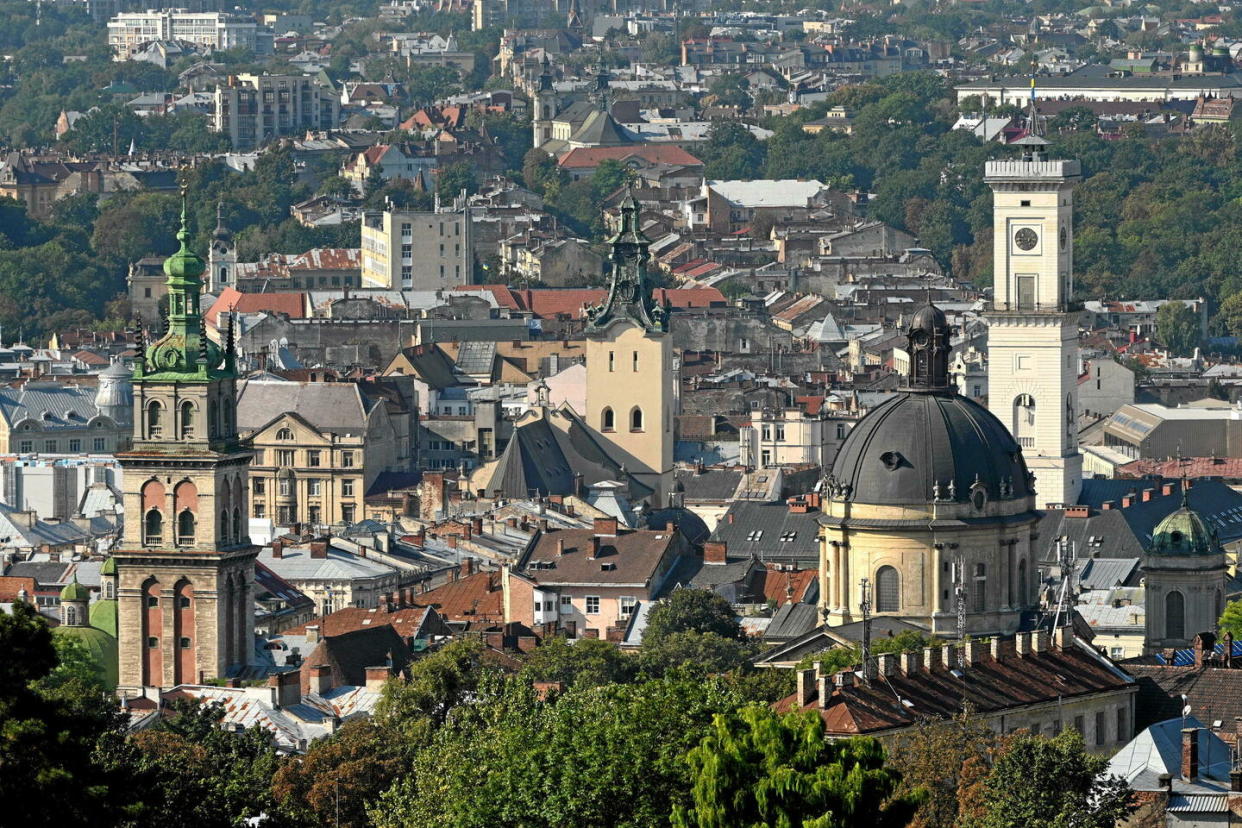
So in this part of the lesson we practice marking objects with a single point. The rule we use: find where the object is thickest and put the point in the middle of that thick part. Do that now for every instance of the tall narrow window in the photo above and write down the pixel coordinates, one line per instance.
(607, 420)
(187, 419)
(636, 420)
(155, 425)
(887, 590)
(154, 528)
(636, 361)
(612, 360)
(1174, 615)
(185, 528)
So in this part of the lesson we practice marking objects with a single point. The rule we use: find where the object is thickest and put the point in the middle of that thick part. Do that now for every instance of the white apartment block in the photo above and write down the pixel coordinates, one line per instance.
(792, 437)
(252, 109)
(406, 249)
(215, 30)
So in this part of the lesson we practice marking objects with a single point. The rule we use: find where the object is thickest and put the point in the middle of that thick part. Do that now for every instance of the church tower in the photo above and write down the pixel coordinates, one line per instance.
(222, 257)
(629, 358)
(546, 106)
(185, 564)
(1184, 579)
(1032, 331)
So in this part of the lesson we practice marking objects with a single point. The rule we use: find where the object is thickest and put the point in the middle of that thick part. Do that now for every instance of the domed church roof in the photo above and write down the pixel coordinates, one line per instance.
(1184, 532)
(928, 444)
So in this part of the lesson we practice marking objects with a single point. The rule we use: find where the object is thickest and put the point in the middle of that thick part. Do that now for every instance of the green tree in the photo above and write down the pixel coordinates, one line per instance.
(1230, 314)
(1231, 620)
(1053, 783)
(451, 180)
(731, 151)
(941, 759)
(703, 652)
(1177, 327)
(757, 767)
(692, 610)
(587, 661)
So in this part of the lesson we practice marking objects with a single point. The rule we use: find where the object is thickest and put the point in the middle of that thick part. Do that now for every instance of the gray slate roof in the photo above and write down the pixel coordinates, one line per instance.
(337, 407)
(770, 532)
(50, 404)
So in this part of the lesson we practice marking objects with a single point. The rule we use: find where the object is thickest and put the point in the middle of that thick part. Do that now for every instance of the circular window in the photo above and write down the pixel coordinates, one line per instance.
(979, 498)
(1026, 239)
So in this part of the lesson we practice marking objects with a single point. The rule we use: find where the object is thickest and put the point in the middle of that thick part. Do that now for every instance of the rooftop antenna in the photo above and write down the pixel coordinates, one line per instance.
(864, 606)
(959, 592)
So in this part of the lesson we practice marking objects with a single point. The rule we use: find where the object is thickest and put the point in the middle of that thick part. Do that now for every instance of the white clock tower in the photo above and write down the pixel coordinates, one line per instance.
(1032, 332)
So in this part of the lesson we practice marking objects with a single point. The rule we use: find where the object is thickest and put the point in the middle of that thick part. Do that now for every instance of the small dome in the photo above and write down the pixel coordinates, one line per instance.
(109, 567)
(75, 591)
(1184, 533)
(100, 646)
(930, 319)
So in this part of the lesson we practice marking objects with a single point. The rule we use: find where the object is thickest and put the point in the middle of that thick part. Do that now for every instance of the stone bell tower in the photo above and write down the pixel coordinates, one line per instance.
(185, 567)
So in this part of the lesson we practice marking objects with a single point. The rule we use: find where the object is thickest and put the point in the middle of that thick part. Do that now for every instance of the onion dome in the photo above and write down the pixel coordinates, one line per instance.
(75, 591)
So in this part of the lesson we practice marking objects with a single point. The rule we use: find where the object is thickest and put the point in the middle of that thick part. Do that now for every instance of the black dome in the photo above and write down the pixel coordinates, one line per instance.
(911, 446)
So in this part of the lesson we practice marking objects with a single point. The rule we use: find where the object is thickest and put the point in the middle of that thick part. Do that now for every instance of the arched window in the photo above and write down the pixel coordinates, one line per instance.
(1024, 420)
(224, 526)
(608, 420)
(224, 275)
(109, 590)
(237, 532)
(635, 361)
(187, 419)
(284, 435)
(887, 590)
(154, 528)
(71, 616)
(185, 527)
(155, 417)
(1174, 615)
(981, 587)
(636, 419)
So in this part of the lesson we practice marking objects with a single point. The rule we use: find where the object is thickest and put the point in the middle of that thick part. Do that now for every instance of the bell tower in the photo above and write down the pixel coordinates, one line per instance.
(185, 565)
(1032, 329)
(221, 257)
(546, 106)
(631, 378)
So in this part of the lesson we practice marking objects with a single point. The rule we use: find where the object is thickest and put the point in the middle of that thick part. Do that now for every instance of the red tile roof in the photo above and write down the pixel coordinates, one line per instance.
(786, 586)
(591, 157)
(231, 299)
(404, 621)
(1229, 468)
(474, 598)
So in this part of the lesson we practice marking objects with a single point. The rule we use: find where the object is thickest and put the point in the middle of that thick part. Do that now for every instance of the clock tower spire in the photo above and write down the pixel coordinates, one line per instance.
(1032, 326)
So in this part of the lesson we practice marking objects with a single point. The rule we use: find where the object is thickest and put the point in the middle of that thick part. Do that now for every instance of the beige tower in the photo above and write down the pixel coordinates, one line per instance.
(1032, 332)
(185, 567)
(631, 376)
(1184, 578)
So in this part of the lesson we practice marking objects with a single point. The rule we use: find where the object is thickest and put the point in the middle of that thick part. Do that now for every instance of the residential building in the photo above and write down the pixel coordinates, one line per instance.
(795, 435)
(407, 249)
(1033, 681)
(318, 447)
(1104, 386)
(1154, 431)
(253, 109)
(548, 259)
(590, 582)
(215, 30)
(54, 418)
(331, 577)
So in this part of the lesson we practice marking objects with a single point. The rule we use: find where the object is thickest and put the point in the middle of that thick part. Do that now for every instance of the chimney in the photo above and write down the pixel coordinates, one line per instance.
(1039, 641)
(729, 517)
(606, 527)
(312, 633)
(595, 546)
(998, 647)
(933, 658)
(1226, 642)
(1204, 646)
(420, 537)
(845, 678)
(1022, 642)
(467, 567)
(286, 688)
(511, 522)
(974, 652)
(451, 540)
(476, 525)
(376, 676)
(1065, 637)
(319, 549)
(1190, 754)
(320, 679)
(949, 654)
(1167, 489)
(1108, 505)
(278, 549)
(715, 552)
(911, 662)
(806, 686)
(1148, 494)
(1127, 501)
(887, 663)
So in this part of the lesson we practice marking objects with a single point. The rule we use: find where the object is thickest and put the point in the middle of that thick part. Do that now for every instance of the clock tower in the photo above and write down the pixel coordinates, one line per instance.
(1032, 330)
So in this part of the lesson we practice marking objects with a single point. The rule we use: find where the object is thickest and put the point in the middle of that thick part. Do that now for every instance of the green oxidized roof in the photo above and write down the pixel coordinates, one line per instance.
(103, 616)
(109, 567)
(629, 293)
(74, 591)
(1184, 532)
(184, 352)
(100, 646)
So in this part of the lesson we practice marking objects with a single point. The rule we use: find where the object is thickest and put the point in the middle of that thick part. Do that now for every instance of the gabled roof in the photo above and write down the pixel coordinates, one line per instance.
(565, 557)
(476, 598)
(231, 299)
(1158, 750)
(600, 129)
(591, 157)
(336, 407)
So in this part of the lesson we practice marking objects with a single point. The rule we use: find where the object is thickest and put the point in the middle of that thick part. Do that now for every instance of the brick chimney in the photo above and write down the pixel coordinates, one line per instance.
(606, 527)
(467, 567)
(595, 546)
(476, 525)
(312, 633)
(1002, 648)
(1065, 637)
(1190, 754)
(319, 549)
(806, 686)
(911, 662)
(286, 688)
(1226, 642)
(560, 547)
(933, 657)
(1168, 489)
(824, 685)
(1022, 643)
(715, 552)
(974, 652)
(376, 676)
(1127, 501)
(1108, 505)
(1039, 641)
(451, 540)
(1204, 645)
(887, 664)
(320, 679)
(278, 549)
(1148, 494)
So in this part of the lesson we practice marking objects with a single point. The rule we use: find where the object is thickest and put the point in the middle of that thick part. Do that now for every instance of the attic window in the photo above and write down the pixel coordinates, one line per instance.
(891, 460)
(754, 535)
(788, 537)
(608, 567)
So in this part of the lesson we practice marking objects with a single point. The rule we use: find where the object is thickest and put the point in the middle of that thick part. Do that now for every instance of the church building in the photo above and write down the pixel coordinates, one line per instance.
(185, 566)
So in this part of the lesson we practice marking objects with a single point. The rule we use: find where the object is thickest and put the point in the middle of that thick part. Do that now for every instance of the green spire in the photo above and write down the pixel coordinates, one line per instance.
(629, 294)
(183, 352)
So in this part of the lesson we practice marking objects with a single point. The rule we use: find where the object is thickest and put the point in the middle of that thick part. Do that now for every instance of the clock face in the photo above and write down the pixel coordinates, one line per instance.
(1064, 237)
(919, 338)
(1025, 239)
